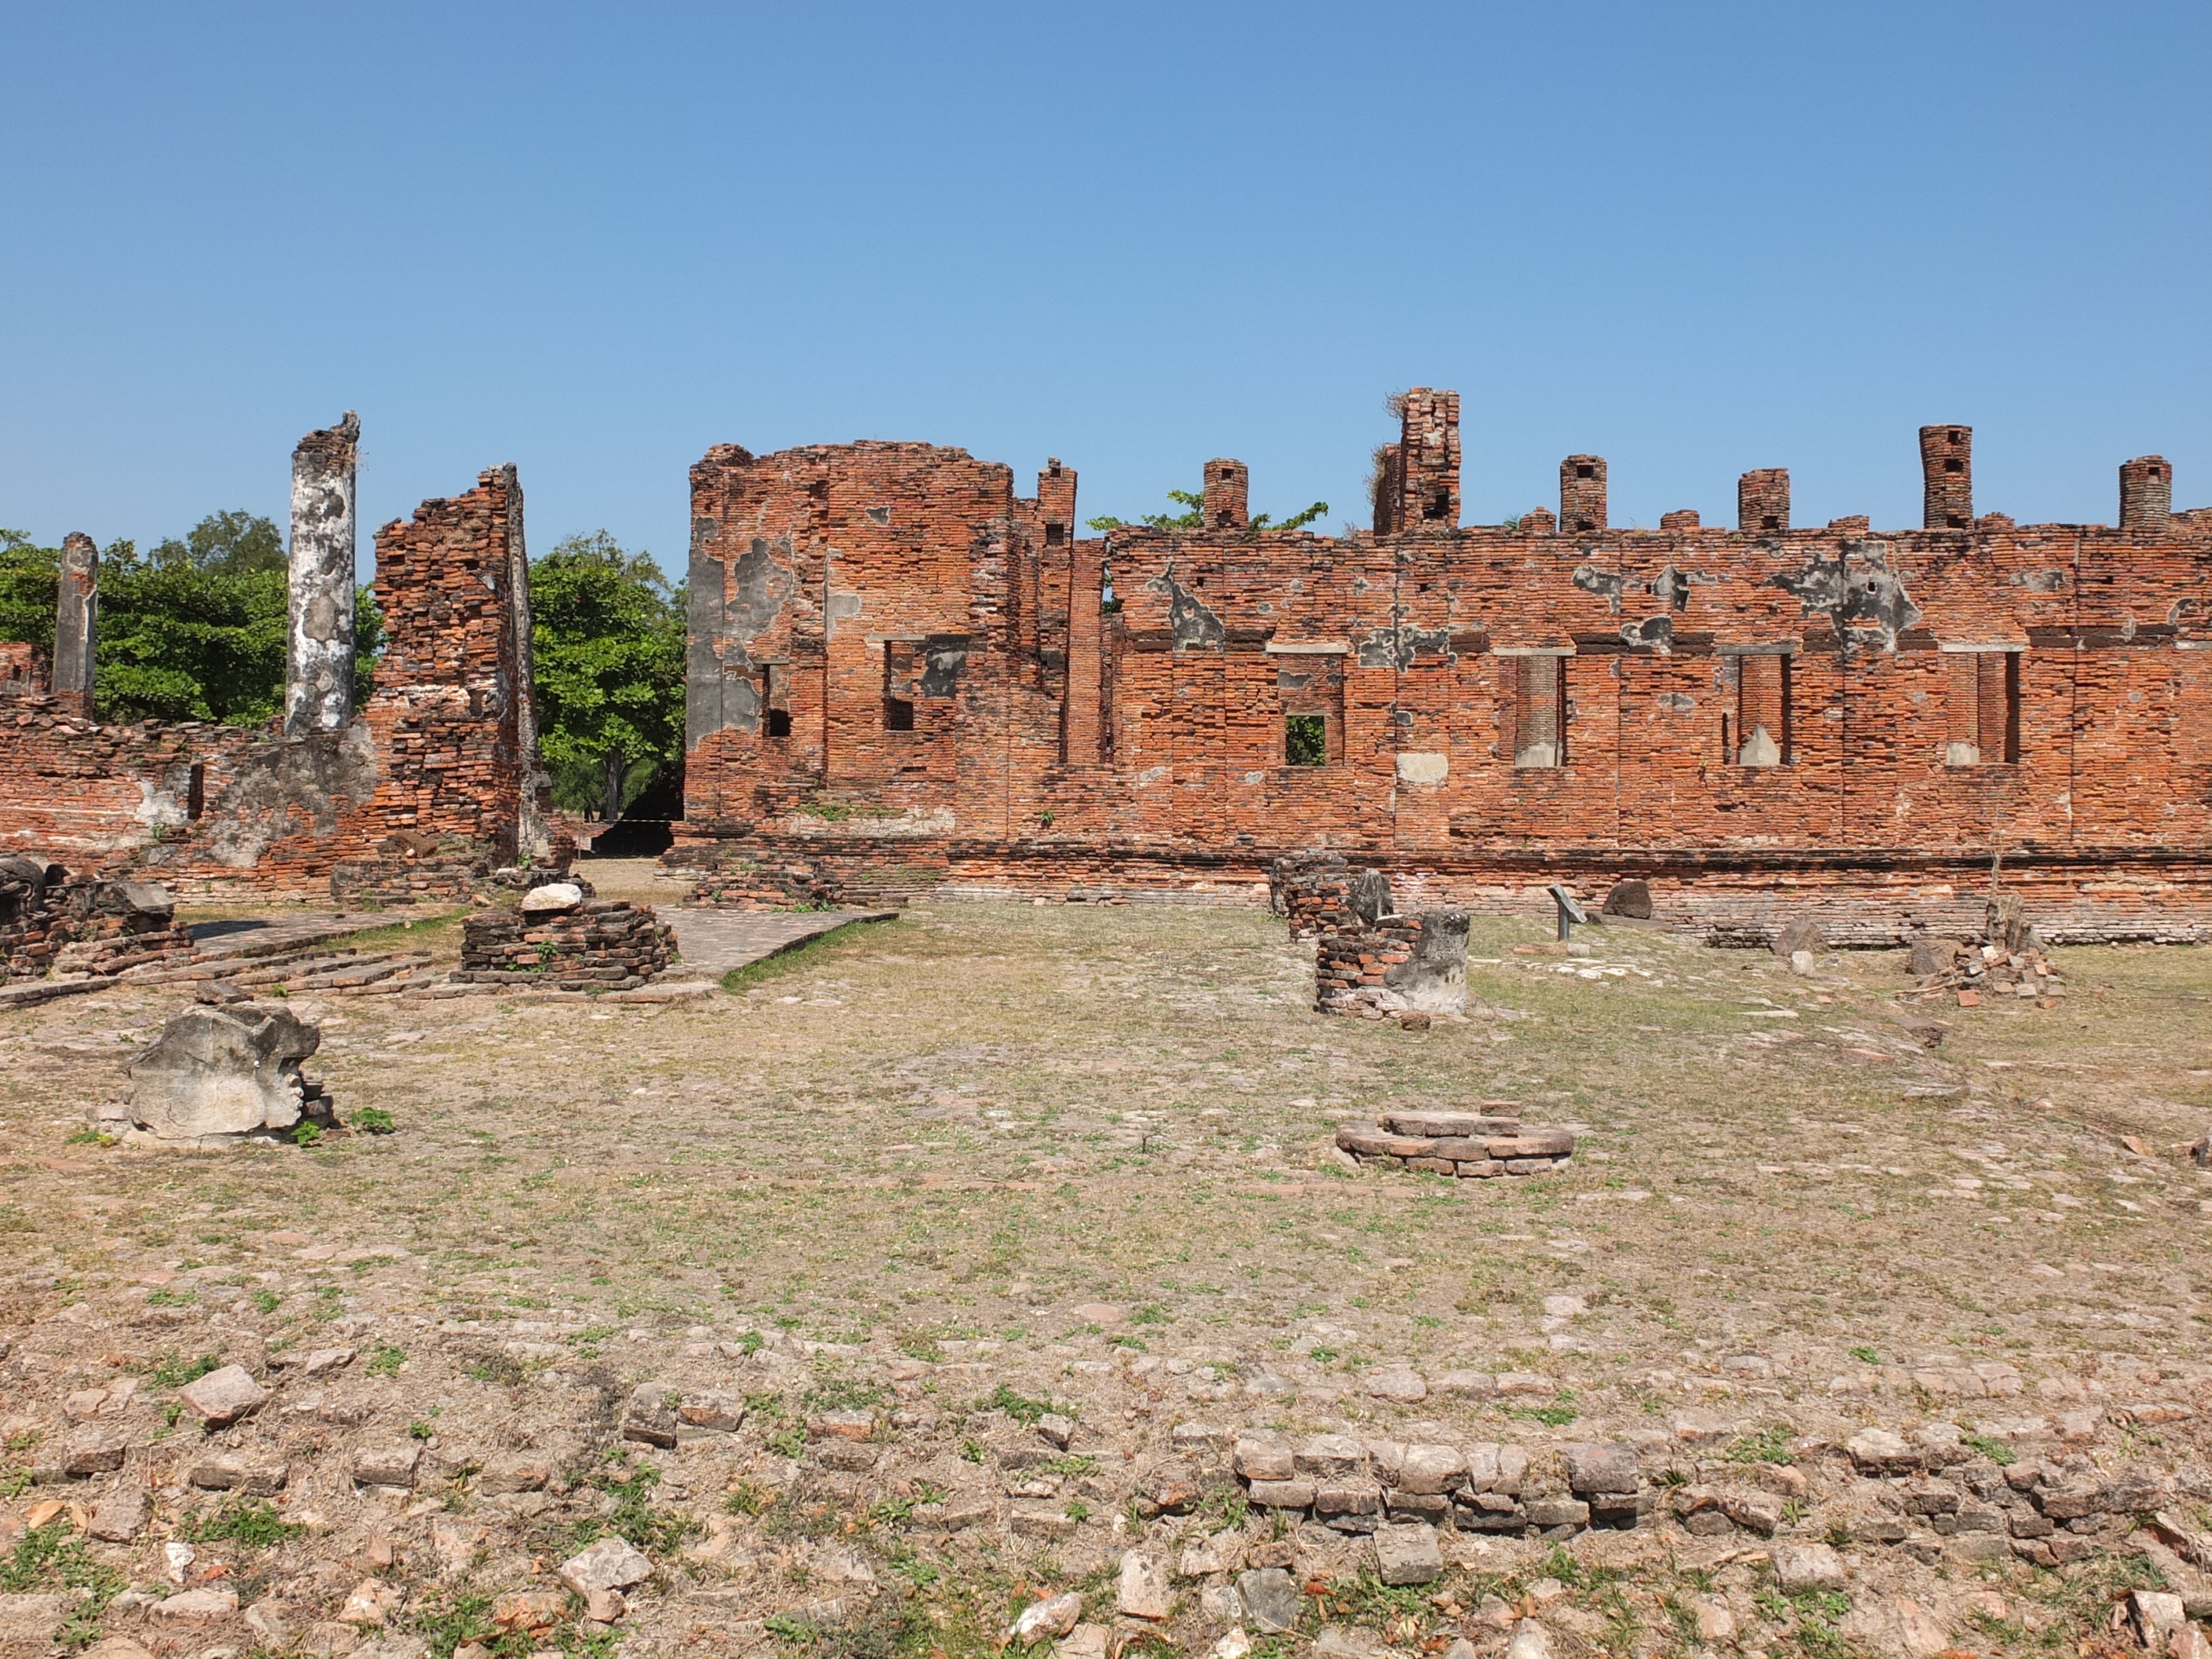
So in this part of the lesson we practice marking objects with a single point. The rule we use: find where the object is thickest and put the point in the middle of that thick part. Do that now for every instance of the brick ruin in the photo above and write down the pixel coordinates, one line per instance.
(904, 674)
(424, 789)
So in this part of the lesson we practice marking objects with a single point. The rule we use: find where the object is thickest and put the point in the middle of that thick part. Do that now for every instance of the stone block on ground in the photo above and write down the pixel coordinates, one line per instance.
(650, 1416)
(121, 1516)
(1632, 899)
(1408, 1555)
(1799, 933)
(215, 1076)
(1141, 1590)
(1271, 1600)
(612, 1564)
(222, 1397)
(1053, 1616)
(1593, 1468)
(391, 1465)
(256, 1474)
(1807, 1566)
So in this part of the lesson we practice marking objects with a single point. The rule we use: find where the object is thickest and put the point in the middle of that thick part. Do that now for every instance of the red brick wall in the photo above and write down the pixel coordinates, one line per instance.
(1055, 747)
(432, 771)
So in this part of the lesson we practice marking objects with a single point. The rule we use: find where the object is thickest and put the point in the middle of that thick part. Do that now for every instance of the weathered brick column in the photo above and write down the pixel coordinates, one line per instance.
(319, 648)
(77, 619)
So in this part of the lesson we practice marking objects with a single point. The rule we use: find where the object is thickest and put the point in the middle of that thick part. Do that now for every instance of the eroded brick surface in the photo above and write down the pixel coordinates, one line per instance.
(429, 788)
(896, 664)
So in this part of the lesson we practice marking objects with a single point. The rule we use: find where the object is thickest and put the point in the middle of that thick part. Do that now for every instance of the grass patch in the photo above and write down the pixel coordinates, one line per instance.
(255, 1525)
(173, 1370)
(657, 1532)
(846, 1394)
(417, 934)
(1019, 1407)
(1770, 1444)
(45, 1558)
(1995, 1450)
(815, 953)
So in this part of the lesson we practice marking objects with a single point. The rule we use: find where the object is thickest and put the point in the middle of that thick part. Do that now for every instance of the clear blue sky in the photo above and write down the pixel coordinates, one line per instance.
(593, 240)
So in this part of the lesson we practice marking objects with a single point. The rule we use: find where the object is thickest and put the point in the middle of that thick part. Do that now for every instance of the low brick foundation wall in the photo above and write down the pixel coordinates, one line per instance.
(601, 945)
(1473, 1145)
(84, 926)
(736, 880)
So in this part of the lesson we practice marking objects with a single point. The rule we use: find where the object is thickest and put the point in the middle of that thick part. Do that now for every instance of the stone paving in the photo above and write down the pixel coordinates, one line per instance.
(712, 942)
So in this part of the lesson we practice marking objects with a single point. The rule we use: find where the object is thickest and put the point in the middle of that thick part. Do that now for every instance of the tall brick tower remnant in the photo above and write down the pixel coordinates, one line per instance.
(1947, 477)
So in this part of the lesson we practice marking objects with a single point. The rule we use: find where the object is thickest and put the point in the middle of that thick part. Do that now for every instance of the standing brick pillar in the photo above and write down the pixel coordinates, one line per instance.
(1417, 478)
(1428, 460)
(1227, 495)
(76, 623)
(1947, 477)
(319, 648)
(1056, 502)
(1762, 501)
(2146, 494)
(1581, 494)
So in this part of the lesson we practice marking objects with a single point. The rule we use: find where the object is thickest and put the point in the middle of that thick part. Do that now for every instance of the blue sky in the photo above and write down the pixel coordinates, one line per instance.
(593, 240)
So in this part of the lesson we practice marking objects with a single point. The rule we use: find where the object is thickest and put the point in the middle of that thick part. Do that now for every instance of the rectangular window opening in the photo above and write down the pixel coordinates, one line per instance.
(196, 791)
(1762, 711)
(1985, 710)
(1540, 712)
(779, 722)
(1306, 740)
(898, 714)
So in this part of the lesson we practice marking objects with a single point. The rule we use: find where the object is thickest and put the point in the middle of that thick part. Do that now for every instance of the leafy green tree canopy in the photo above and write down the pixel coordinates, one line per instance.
(607, 639)
(194, 630)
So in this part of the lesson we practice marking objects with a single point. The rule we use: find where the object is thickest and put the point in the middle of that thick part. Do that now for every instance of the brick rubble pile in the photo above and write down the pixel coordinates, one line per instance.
(598, 945)
(747, 881)
(1310, 891)
(1987, 970)
(53, 922)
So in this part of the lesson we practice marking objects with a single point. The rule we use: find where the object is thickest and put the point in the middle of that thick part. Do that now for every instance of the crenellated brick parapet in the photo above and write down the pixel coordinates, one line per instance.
(1710, 707)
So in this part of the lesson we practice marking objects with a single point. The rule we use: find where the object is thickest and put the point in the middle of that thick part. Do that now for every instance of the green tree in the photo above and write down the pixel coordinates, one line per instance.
(30, 585)
(1193, 517)
(607, 637)
(227, 544)
(194, 629)
(187, 638)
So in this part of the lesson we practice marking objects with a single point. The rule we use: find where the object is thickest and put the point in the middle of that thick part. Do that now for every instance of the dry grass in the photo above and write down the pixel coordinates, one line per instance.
(958, 1132)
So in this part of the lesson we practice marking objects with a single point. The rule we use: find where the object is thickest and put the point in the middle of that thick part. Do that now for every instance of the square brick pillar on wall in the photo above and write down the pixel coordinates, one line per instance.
(1947, 477)
(1427, 469)
(2146, 494)
(1226, 494)
(447, 706)
(1581, 495)
(1762, 501)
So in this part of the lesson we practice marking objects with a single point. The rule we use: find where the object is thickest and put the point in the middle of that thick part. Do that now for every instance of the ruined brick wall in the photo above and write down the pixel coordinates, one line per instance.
(432, 785)
(1728, 712)
(22, 670)
(868, 636)
(446, 714)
